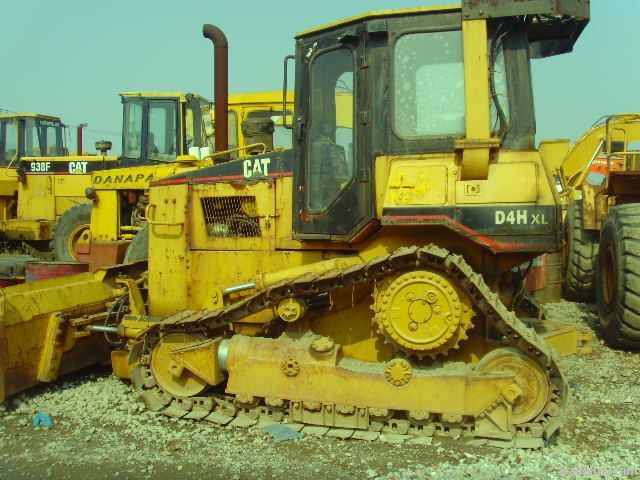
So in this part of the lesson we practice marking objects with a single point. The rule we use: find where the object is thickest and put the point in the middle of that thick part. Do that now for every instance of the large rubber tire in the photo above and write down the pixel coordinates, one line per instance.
(139, 247)
(618, 274)
(579, 256)
(70, 226)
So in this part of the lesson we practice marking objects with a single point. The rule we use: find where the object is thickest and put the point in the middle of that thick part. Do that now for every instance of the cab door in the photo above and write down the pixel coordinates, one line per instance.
(333, 188)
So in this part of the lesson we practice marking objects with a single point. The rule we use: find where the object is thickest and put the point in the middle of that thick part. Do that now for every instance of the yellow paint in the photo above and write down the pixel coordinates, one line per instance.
(8, 182)
(41, 199)
(105, 216)
(553, 152)
(107, 207)
(207, 269)
(36, 199)
(414, 183)
(180, 96)
(436, 179)
(256, 368)
(172, 278)
(624, 127)
(33, 347)
(475, 160)
(30, 115)
(197, 358)
(120, 363)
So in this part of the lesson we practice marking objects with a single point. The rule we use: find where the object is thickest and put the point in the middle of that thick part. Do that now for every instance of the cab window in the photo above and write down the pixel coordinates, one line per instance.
(162, 138)
(233, 133)
(281, 135)
(208, 133)
(428, 95)
(51, 139)
(193, 129)
(330, 167)
(32, 139)
(10, 144)
(132, 129)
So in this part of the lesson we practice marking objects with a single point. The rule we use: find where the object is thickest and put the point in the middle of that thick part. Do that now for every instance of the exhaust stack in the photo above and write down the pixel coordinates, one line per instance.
(79, 143)
(220, 84)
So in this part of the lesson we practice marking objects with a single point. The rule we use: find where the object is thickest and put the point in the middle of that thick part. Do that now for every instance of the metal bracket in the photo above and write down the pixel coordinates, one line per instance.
(51, 354)
(376, 27)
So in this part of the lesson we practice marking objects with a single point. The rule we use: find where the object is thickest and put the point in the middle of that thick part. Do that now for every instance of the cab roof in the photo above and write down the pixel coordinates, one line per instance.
(31, 115)
(553, 28)
(181, 96)
(381, 13)
(257, 98)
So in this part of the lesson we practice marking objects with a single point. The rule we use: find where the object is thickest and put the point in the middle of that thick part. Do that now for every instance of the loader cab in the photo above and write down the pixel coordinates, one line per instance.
(31, 135)
(159, 127)
(407, 82)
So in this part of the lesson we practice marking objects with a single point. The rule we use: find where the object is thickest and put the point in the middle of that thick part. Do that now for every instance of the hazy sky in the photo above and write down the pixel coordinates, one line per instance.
(71, 57)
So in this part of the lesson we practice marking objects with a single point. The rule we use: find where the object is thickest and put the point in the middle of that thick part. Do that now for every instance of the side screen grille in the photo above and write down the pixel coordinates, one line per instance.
(231, 217)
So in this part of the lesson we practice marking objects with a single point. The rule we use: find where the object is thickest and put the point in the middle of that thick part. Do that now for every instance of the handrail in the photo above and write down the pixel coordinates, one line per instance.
(239, 149)
(147, 214)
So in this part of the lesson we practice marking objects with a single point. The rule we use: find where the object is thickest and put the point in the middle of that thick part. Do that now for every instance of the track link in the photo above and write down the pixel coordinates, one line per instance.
(227, 410)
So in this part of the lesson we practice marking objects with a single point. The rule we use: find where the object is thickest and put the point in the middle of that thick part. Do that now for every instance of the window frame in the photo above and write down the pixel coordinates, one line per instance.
(392, 82)
(151, 102)
(307, 147)
(4, 134)
(197, 139)
(125, 129)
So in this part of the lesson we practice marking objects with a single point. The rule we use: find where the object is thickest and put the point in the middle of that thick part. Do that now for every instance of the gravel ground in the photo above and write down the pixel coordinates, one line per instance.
(101, 430)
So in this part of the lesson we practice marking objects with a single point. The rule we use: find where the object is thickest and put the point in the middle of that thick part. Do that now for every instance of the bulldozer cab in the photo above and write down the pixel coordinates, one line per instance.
(159, 127)
(30, 135)
(418, 81)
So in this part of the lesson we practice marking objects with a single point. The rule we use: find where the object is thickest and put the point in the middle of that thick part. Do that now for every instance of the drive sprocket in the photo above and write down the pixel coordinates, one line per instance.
(422, 313)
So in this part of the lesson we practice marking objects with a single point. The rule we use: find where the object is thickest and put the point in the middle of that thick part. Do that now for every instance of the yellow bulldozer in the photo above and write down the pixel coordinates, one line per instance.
(364, 281)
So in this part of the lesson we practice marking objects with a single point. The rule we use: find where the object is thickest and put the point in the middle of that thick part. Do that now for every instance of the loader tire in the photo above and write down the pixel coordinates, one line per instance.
(579, 256)
(618, 277)
(70, 227)
(139, 247)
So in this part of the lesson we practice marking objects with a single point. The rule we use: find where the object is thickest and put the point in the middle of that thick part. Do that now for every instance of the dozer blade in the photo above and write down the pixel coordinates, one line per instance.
(44, 326)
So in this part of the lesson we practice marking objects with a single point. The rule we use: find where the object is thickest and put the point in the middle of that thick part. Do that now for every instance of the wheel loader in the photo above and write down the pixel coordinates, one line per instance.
(158, 129)
(365, 281)
(582, 175)
(48, 181)
(46, 195)
(601, 176)
(115, 222)
(22, 135)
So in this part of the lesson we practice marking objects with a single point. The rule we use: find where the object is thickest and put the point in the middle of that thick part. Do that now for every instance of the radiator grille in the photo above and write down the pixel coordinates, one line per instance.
(231, 217)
